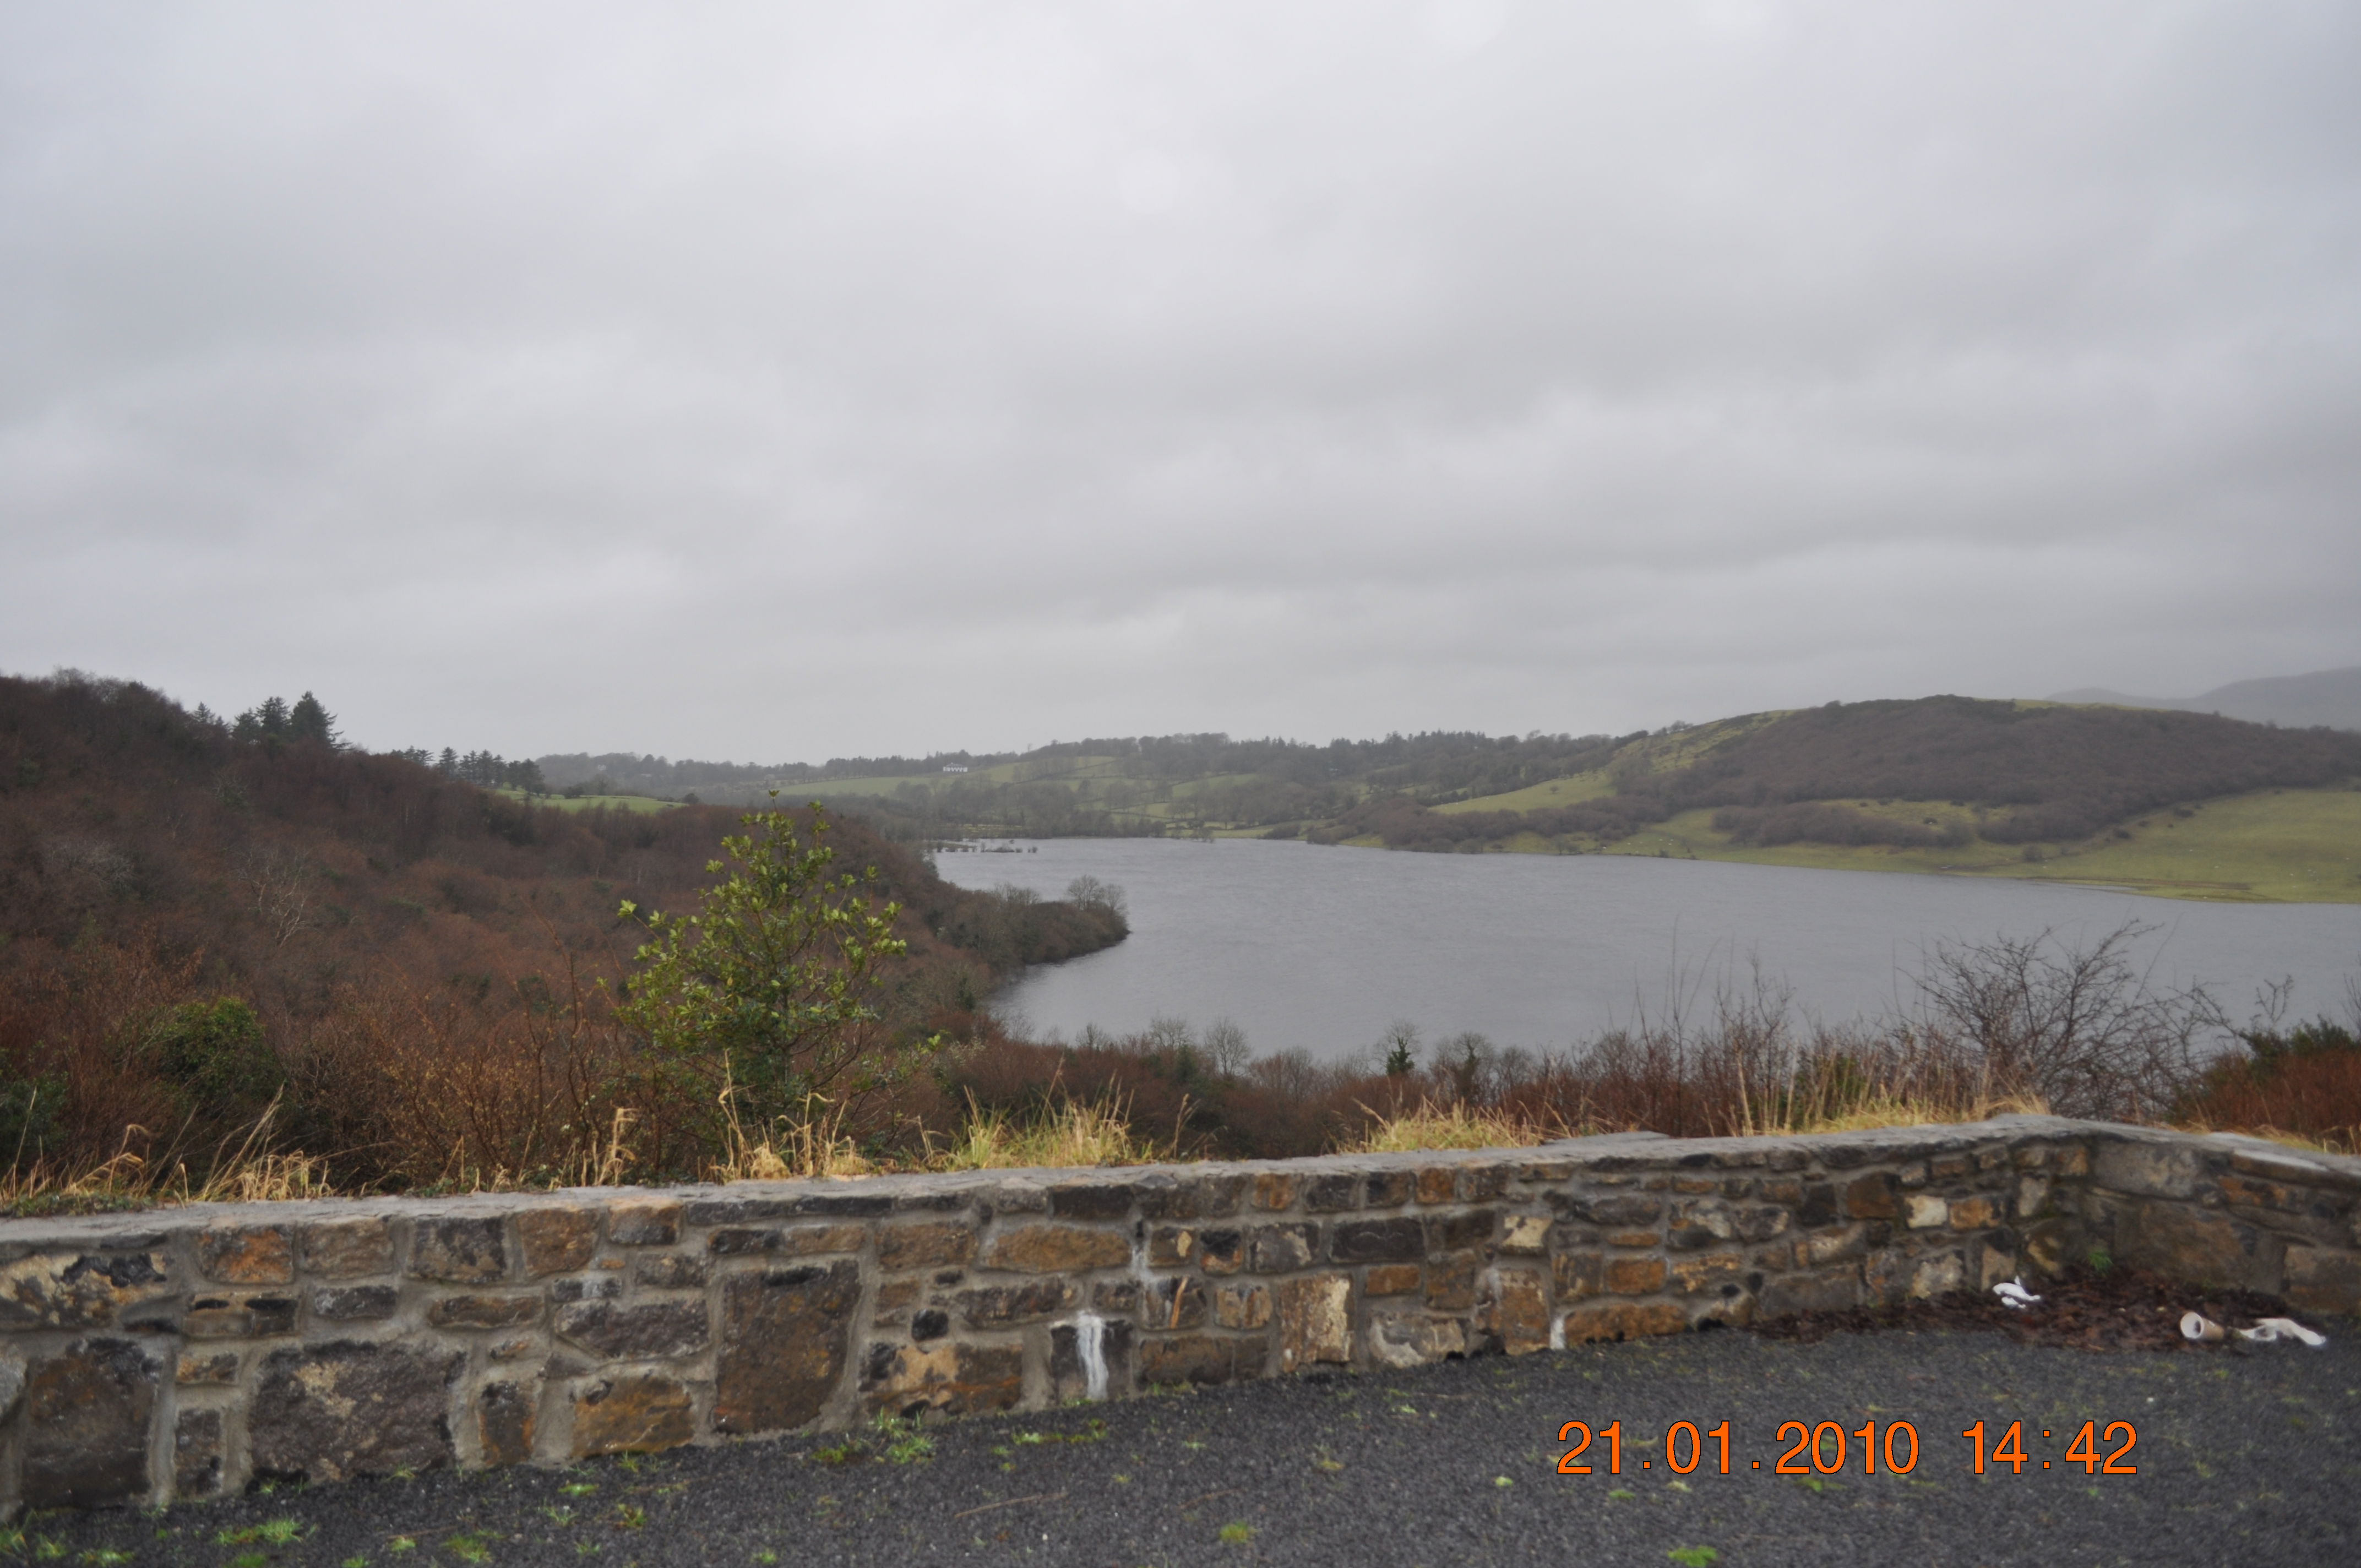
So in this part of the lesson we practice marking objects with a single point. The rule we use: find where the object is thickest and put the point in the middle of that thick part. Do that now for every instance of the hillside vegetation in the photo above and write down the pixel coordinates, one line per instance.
(2190, 805)
(400, 968)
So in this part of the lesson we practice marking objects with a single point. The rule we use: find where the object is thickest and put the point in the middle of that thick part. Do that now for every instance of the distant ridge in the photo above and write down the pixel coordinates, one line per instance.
(2325, 696)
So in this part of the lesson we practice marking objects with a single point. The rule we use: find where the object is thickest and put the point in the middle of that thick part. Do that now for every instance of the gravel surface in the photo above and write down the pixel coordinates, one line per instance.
(2244, 1456)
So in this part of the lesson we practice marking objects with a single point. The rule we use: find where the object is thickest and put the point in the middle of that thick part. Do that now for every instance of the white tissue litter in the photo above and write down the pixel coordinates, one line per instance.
(2271, 1329)
(2015, 1295)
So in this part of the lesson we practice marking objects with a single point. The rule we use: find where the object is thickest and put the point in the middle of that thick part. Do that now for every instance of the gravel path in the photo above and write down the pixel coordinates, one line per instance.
(2248, 1456)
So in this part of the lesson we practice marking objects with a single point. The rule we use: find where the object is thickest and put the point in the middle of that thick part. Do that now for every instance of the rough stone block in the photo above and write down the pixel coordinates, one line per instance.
(1623, 1320)
(505, 1414)
(196, 1454)
(1938, 1275)
(1389, 1189)
(1827, 1246)
(1404, 1340)
(651, 1222)
(1578, 1274)
(1095, 1200)
(1519, 1314)
(1619, 1208)
(345, 1249)
(1171, 1246)
(1525, 1235)
(216, 1369)
(556, 1240)
(822, 1241)
(1175, 1304)
(2032, 1196)
(1834, 1290)
(1707, 1273)
(1315, 1321)
(960, 1379)
(91, 1291)
(2203, 1246)
(329, 1412)
(1281, 1249)
(1242, 1306)
(784, 1345)
(1480, 1183)
(1637, 1276)
(355, 1303)
(1451, 1232)
(741, 1241)
(1222, 1251)
(503, 1311)
(1056, 1249)
(586, 1288)
(632, 1412)
(1331, 1193)
(2322, 1281)
(1872, 1197)
(472, 1251)
(1090, 1360)
(1166, 1360)
(941, 1244)
(2147, 1170)
(1274, 1190)
(247, 1254)
(1927, 1212)
(1393, 1279)
(1451, 1283)
(1396, 1240)
(1437, 1184)
(88, 1412)
(645, 1330)
(999, 1306)
(670, 1271)
(1973, 1213)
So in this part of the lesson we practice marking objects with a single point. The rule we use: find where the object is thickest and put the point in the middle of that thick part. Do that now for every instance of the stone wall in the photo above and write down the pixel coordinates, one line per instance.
(182, 1353)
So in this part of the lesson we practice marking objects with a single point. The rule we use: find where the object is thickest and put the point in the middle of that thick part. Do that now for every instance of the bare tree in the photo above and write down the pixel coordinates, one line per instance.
(1224, 1045)
(279, 888)
(2078, 1026)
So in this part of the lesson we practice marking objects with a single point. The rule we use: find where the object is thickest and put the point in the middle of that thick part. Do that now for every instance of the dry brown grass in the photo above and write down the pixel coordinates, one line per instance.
(1427, 1126)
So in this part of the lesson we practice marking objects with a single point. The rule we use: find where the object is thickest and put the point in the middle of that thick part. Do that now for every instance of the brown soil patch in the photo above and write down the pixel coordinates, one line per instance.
(2123, 1308)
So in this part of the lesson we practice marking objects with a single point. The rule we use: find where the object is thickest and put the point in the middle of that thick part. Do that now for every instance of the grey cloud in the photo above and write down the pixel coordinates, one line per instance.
(784, 382)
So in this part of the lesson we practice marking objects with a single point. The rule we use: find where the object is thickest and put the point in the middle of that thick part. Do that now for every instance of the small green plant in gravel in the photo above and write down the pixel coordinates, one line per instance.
(105, 1556)
(579, 1489)
(628, 1517)
(270, 1532)
(469, 1548)
(48, 1548)
(905, 1445)
(402, 1543)
(1694, 1556)
(249, 1560)
(1237, 1533)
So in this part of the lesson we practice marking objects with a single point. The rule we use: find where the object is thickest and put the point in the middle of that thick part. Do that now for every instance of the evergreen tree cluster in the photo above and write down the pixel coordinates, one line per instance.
(275, 719)
(488, 770)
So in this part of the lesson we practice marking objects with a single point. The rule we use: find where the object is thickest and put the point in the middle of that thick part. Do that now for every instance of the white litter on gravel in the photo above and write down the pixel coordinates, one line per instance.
(2014, 1293)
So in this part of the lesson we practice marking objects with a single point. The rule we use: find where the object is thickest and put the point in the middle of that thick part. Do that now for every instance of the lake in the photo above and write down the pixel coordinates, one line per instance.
(1318, 947)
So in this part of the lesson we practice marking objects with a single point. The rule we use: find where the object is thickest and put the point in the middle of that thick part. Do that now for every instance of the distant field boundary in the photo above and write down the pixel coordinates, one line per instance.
(187, 1352)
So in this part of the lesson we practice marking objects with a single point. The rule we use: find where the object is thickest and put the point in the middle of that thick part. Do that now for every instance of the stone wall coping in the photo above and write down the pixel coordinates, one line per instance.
(153, 1227)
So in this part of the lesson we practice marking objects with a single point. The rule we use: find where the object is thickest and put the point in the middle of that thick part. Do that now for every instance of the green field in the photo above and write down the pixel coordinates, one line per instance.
(2296, 845)
(1541, 796)
(591, 802)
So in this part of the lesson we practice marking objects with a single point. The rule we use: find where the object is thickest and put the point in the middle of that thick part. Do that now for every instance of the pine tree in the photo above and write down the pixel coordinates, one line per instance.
(310, 720)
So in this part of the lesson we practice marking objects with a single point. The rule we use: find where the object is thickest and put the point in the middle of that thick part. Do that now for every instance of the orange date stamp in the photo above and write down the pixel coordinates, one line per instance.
(1828, 1448)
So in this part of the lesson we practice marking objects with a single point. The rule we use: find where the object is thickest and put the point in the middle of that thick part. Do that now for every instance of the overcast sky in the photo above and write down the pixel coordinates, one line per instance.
(777, 381)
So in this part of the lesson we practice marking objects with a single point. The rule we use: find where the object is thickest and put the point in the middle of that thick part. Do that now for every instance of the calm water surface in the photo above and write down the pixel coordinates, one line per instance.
(1321, 947)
